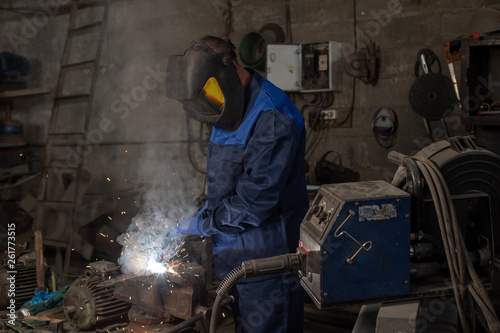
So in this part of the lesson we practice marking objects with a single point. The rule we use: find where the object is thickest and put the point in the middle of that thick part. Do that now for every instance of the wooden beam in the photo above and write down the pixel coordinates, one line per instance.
(40, 269)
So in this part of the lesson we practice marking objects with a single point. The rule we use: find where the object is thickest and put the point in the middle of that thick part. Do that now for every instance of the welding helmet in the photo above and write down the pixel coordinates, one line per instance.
(208, 86)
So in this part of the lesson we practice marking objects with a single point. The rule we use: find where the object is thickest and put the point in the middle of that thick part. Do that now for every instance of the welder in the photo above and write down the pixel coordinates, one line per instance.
(256, 186)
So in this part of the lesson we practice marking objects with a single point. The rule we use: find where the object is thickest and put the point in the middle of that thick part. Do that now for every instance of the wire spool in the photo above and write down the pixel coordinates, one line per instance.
(385, 126)
(468, 168)
(274, 32)
(432, 95)
(254, 44)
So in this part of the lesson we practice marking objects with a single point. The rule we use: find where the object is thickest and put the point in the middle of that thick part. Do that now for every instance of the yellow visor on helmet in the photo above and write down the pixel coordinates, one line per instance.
(212, 92)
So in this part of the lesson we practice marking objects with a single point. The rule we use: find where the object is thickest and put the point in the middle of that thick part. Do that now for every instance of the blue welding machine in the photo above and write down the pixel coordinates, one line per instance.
(357, 240)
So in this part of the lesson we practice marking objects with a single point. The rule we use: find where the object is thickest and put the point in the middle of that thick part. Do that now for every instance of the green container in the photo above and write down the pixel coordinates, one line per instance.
(253, 50)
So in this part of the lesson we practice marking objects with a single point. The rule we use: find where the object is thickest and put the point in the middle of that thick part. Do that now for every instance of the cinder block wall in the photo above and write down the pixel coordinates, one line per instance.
(140, 140)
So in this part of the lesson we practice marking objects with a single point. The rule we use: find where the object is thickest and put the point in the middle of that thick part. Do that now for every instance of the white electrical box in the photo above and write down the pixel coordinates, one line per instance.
(310, 67)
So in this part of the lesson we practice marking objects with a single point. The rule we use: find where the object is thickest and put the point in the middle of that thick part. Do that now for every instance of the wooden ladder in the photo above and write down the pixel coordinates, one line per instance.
(64, 180)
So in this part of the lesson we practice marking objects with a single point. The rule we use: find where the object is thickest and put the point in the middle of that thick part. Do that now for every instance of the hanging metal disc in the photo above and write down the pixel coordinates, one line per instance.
(431, 95)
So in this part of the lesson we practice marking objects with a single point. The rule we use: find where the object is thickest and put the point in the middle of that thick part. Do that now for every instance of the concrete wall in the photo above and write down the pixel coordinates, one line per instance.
(142, 140)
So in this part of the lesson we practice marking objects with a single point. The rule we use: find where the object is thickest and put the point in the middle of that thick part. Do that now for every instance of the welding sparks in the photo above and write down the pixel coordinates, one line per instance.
(156, 267)
(147, 245)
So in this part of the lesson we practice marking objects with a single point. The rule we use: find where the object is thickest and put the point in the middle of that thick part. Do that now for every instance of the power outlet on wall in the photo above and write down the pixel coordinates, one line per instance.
(331, 118)
(328, 114)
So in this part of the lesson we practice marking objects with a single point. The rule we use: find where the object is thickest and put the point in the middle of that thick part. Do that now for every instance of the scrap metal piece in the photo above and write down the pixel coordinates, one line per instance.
(157, 297)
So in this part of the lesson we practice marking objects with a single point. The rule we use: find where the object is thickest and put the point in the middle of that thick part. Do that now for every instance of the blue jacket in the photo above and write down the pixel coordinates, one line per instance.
(257, 194)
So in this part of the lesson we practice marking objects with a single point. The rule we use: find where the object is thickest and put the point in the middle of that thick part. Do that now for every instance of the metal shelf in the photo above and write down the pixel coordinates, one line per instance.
(24, 92)
(482, 121)
(11, 140)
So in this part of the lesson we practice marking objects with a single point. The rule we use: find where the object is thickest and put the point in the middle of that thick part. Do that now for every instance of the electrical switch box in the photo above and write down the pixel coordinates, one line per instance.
(310, 67)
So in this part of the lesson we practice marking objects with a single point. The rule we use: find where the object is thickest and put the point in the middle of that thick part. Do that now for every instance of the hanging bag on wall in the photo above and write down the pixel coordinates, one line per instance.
(328, 172)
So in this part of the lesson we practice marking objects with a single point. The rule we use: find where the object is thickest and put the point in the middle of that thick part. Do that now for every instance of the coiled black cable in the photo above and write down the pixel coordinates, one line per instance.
(385, 137)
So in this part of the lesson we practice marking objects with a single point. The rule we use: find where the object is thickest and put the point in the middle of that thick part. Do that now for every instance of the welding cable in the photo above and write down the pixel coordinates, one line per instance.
(351, 109)
(448, 249)
(226, 284)
(453, 235)
(313, 143)
(318, 130)
(497, 263)
(314, 136)
(452, 231)
(439, 212)
(447, 202)
(475, 288)
(355, 38)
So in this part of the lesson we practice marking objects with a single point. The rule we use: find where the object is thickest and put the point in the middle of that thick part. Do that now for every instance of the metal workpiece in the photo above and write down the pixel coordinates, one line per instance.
(158, 299)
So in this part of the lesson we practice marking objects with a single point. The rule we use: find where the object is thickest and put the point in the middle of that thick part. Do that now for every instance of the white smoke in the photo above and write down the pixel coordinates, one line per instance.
(151, 240)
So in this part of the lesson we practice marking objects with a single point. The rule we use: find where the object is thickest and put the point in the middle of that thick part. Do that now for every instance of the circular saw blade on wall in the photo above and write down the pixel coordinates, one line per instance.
(432, 95)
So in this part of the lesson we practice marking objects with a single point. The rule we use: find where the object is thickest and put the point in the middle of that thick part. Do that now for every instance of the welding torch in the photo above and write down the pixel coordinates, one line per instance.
(285, 263)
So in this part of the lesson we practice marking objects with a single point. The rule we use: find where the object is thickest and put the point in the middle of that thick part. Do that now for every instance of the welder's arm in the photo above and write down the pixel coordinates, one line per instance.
(267, 163)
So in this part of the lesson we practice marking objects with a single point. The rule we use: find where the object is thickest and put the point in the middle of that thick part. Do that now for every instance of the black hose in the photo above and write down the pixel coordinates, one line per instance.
(222, 290)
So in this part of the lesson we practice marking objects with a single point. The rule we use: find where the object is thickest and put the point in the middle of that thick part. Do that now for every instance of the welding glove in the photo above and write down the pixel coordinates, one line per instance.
(192, 225)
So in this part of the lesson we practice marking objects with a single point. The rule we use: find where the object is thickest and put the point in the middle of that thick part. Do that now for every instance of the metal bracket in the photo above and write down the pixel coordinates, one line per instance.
(361, 246)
